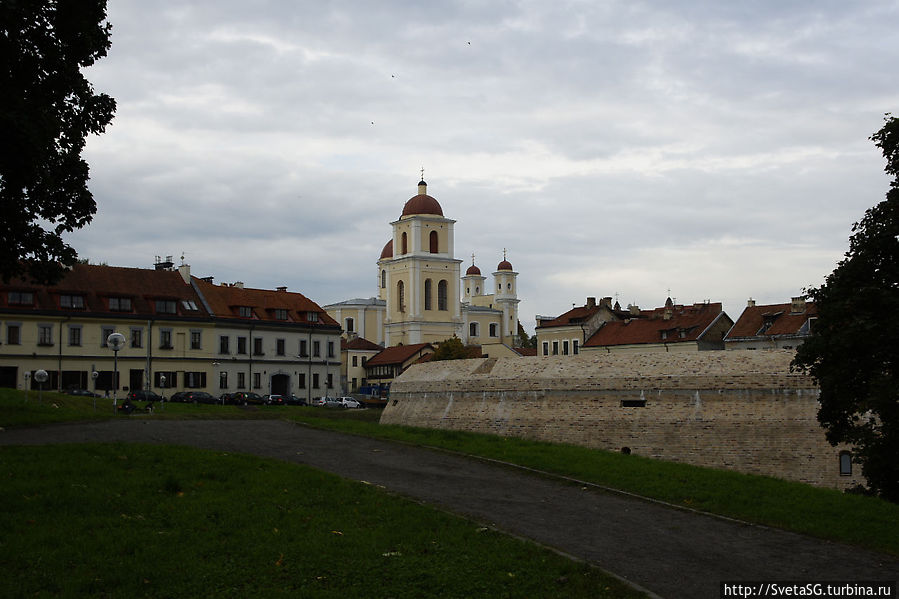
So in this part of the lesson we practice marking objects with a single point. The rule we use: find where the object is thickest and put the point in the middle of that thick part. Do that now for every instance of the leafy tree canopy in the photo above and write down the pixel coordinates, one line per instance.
(450, 349)
(47, 109)
(853, 352)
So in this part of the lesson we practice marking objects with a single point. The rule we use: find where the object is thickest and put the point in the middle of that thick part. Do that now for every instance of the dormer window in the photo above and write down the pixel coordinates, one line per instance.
(245, 311)
(312, 316)
(682, 334)
(664, 334)
(21, 298)
(120, 304)
(166, 307)
(75, 302)
(280, 314)
(189, 305)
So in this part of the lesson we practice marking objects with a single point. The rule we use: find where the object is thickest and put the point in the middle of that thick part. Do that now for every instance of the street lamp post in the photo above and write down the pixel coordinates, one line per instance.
(94, 376)
(115, 342)
(41, 377)
(27, 385)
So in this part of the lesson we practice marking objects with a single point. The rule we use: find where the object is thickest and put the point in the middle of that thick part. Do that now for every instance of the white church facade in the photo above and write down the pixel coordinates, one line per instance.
(422, 295)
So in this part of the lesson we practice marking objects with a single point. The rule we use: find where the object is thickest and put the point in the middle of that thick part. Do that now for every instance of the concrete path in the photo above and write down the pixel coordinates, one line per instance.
(670, 552)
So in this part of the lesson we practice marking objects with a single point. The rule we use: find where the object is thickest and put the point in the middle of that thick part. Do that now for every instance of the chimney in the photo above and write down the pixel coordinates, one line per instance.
(634, 310)
(184, 269)
(797, 305)
(750, 303)
(238, 284)
(591, 302)
(606, 302)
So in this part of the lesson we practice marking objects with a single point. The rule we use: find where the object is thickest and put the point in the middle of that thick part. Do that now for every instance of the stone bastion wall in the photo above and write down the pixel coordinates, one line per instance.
(739, 410)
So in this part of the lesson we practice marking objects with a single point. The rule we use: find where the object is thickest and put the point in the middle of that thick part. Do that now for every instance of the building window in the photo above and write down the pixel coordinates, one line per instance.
(171, 379)
(105, 332)
(355, 361)
(224, 342)
(546, 348)
(75, 335)
(574, 346)
(165, 339)
(845, 463)
(312, 316)
(280, 314)
(364, 359)
(120, 304)
(279, 347)
(21, 298)
(434, 243)
(316, 349)
(330, 349)
(13, 334)
(257, 380)
(257, 346)
(493, 329)
(350, 324)
(242, 345)
(137, 337)
(473, 329)
(223, 380)
(315, 380)
(441, 295)
(304, 350)
(427, 294)
(633, 403)
(405, 247)
(195, 340)
(245, 311)
(555, 348)
(75, 302)
(166, 307)
(565, 348)
(241, 380)
(383, 279)
(329, 383)
(301, 380)
(195, 380)
(189, 305)
(400, 297)
(45, 334)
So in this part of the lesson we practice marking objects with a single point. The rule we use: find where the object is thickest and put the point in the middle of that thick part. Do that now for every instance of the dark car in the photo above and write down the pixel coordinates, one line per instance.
(200, 397)
(274, 400)
(144, 395)
(180, 396)
(293, 400)
(81, 392)
(247, 397)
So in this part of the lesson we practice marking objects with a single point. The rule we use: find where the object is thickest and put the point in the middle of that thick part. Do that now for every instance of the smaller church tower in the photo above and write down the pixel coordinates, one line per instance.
(506, 296)
(472, 283)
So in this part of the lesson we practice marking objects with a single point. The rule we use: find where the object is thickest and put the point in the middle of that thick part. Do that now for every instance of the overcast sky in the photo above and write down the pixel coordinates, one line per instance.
(718, 150)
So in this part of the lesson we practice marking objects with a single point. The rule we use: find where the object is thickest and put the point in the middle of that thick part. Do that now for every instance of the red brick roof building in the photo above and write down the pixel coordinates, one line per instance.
(773, 326)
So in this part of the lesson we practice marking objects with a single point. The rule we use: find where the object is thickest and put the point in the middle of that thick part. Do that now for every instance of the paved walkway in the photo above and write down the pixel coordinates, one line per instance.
(672, 553)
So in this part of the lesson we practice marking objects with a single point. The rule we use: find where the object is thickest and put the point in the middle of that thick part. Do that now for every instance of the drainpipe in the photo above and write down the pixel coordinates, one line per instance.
(59, 359)
(309, 368)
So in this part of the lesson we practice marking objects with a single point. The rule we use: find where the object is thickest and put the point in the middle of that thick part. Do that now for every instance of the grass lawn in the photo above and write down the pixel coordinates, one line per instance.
(863, 521)
(125, 520)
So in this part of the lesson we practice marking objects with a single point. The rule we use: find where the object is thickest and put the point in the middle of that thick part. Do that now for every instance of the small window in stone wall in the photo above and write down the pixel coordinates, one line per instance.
(633, 403)
(845, 463)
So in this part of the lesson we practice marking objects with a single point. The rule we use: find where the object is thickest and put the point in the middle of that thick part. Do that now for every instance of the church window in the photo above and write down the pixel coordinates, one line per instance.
(400, 297)
(473, 329)
(555, 348)
(493, 329)
(434, 243)
(427, 294)
(477, 291)
(546, 348)
(404, 244)
(383, 279)
(574, 346)
(565, 348)
(441, 295)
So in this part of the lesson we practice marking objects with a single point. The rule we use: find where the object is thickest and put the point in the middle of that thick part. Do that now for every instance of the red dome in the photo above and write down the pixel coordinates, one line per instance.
(473, 270)
(504, 265)
(422, 204)
(387, 252)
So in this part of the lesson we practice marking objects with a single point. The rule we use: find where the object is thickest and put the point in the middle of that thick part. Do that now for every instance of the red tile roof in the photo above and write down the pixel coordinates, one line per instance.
(225, 301)
(359, 344)
(398, 354)
(687, 323)
(96, 284)
(583, 314)
(782, 320)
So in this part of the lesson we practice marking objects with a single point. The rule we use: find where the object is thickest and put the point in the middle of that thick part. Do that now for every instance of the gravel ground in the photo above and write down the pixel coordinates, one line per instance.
(670, 552)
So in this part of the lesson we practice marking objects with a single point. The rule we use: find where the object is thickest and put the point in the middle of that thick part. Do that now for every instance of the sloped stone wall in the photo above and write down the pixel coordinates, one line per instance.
(742, 410)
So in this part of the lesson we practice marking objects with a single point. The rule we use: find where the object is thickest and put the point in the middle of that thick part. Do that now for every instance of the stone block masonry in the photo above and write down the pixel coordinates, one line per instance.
(739, 410)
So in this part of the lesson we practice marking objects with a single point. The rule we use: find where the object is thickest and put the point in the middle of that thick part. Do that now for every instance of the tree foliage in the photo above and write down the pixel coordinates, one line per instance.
(450, 349)
(47, 109)
(853, 352)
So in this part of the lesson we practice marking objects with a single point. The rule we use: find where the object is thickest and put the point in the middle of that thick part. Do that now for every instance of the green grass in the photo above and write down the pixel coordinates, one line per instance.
(124, 520)
(864, 521)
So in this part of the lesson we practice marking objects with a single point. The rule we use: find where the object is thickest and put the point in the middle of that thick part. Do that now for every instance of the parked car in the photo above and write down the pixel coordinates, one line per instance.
(81, 392)
(246, 397)
(200, 397)
(274, 400)
(349, 402)
(144, 395)
(328, 402)
(180, 396)
(293, 400)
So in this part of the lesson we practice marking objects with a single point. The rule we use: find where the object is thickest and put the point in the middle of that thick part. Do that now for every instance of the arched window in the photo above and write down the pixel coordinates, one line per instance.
(404, 244)
(441, 295)
(383, 279)
(473, 329)
(400, 297)
(427, 294)
(434, 245)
